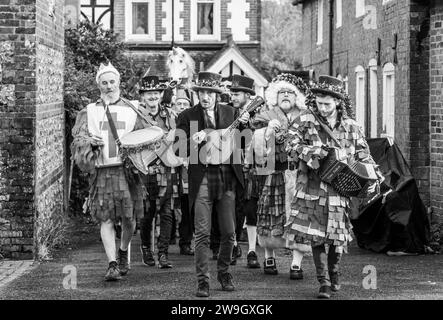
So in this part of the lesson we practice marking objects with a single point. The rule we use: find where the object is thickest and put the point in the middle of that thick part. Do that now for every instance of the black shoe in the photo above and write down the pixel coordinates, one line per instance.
(163, 262)
(147, 256)
(122, 261)
(324, 292)
(269, 266)
(203, 289)
(225, 280)
(295, 273)
(186, 250)
(236, 251)
(113, 273)
(335, 286)
(252, 260)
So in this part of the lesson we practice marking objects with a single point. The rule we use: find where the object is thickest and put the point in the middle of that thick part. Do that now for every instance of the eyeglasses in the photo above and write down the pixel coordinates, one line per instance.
(286, 92)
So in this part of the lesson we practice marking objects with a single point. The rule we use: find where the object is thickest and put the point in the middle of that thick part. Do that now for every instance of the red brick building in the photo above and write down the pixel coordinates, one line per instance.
(389, 54)
(201, 27)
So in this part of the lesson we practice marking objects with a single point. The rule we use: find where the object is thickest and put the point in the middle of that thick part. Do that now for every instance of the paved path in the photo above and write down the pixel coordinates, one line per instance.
(409, 277)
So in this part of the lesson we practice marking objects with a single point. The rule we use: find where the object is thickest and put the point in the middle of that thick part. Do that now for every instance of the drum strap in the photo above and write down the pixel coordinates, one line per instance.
(112, 127)
(138, 112)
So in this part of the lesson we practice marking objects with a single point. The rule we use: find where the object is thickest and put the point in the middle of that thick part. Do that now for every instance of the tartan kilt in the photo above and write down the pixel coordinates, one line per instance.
(221, 178)
(162, 181)
(271, 206)
(253, 184)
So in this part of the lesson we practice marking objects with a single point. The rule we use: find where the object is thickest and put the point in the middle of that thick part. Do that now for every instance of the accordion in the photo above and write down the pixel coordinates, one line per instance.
(349, 178)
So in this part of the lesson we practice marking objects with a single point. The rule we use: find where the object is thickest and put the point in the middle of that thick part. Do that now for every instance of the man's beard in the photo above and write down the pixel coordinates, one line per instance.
(110, 97)
(286, 105)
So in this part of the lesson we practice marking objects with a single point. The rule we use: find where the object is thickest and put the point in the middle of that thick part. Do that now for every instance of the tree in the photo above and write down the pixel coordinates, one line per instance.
(281, 36)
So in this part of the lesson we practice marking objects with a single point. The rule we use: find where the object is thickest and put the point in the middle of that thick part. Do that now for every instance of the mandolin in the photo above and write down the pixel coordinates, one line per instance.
(221, 143)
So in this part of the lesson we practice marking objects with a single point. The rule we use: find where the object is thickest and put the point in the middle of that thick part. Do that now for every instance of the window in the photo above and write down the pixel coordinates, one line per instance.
(205, 20)
(360, 114)
(360, 9)
(98, 11)
(320, 4)
(140, 20)
(386, 1)
(339, 10)
(389, 100)
(373, 94)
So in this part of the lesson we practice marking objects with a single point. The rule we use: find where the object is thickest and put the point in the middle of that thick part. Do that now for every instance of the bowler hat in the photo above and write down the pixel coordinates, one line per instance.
(242, 83)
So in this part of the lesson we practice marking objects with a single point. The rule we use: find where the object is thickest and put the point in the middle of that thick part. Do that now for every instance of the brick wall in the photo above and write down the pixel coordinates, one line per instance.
(31, 125)
(355, 45)
(436, 108)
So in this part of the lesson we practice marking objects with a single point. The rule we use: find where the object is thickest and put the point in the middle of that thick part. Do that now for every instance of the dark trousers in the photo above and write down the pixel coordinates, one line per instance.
(323, 259)
(214, 243)
(239, 211)
(250, 209)
(225, 216)
(165, 223)
(186, 226)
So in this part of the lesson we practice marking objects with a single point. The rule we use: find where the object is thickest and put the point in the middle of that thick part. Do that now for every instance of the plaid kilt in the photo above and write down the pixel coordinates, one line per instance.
(162, 181)
(271, 206)
(253, 184)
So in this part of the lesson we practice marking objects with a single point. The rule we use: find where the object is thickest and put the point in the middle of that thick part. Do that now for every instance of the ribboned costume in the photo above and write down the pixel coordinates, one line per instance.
(319, 214)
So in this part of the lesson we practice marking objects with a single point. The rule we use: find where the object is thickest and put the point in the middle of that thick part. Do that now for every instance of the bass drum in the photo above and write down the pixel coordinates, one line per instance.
(140, 146)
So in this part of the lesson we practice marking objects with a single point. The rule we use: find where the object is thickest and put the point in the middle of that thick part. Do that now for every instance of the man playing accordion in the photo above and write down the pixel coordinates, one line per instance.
(319, 212)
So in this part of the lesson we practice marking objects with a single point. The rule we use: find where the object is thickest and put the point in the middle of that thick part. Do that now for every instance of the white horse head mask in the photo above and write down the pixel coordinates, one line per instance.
(180, 65)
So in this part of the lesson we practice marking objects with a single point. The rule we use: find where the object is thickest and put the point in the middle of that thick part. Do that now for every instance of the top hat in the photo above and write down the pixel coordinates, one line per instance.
(151, 83)
(306, 75)
(208, 81)
(242, 83)
(330, 86)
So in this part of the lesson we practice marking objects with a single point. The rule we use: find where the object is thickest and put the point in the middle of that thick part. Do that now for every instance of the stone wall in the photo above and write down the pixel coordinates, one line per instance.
(32, 164)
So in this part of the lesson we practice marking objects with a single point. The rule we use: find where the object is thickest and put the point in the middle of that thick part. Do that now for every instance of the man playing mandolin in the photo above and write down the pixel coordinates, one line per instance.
(95, 150)
(319, 213)
(210, 185)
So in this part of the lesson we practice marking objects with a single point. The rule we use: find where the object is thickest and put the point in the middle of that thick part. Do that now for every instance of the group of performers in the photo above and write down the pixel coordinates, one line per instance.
(272, 186)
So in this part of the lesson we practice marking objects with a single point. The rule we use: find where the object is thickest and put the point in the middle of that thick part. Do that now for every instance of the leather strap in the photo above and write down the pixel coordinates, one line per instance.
(325, 128)
(112, 126)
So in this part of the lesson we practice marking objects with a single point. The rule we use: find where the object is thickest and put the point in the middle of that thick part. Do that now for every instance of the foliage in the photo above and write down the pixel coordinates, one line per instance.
(86, 46)
(281, 37)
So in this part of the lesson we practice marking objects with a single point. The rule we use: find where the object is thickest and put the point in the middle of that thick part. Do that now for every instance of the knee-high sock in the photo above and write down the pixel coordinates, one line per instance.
(107, 233)
(297, 257)
(252, 237)
(269, 253)
(128, 226)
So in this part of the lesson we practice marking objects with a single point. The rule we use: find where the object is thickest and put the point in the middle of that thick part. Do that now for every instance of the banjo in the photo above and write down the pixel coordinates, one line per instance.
(221, 143)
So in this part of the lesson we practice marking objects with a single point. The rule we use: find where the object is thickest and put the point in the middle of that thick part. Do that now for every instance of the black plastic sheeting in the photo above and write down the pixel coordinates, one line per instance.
(401, 223)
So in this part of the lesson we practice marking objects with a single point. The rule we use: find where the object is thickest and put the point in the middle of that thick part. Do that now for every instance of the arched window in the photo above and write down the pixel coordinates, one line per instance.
(101, 11)
(389, 100)
(360, 85)
(373, 96)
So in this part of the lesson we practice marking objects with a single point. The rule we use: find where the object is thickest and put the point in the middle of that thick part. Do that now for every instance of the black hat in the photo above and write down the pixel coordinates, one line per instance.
(151, 83)
(208, 81)
(242, 83)
(330, 86)
(306, 75)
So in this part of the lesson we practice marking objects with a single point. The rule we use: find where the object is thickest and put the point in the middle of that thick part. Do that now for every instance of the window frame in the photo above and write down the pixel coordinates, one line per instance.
(360, 97)
(216, 36)
(129, 36)
(339, 13)
(373, 93)
(360, 8)
(94, 6)
(388, 109)
(320, 18)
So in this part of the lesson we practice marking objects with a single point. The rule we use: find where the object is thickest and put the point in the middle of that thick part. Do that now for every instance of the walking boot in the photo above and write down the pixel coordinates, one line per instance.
(147, 256)
(225, 280)
(203, 289)
(163, 262)
(113, 273)
(123, 263)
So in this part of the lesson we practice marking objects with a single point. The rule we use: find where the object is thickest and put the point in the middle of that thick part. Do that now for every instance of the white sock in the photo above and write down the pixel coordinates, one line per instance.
(252, 237)
(235, 243)
(297, 257)
(269, 253)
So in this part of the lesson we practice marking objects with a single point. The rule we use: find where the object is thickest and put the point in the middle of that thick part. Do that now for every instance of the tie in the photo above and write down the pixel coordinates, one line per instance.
(210, 121)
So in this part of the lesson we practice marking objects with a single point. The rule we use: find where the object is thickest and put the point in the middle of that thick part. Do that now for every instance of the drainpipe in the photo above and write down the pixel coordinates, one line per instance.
(331, 38)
